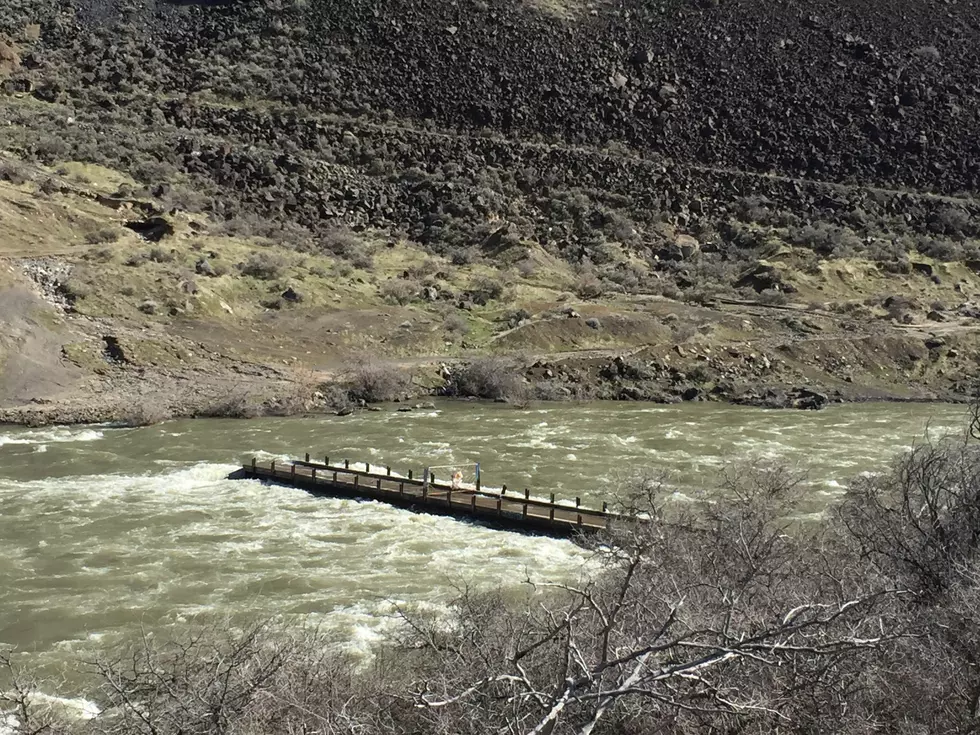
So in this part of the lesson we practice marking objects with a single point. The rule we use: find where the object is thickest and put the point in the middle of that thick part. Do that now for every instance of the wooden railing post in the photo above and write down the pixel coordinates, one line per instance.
(272, 467)
(503, 491)
(307, 457)
(449, 497)
(292, 471)
(346, 464)
(579, 520)
(499, 511)
(388, 468)
(524, 510)
(401, 488)
(313, 475)
(356, 478)
(409, 474)
(578, 502)
(527, 494)
(253, 464)
(605, 506)
(379, 484)
(367, 467)
(335, 476)
(551, 514)
(473, 504)
(326, 460)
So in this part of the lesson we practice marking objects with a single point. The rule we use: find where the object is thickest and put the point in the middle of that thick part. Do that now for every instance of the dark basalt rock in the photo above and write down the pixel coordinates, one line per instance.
(716, 102)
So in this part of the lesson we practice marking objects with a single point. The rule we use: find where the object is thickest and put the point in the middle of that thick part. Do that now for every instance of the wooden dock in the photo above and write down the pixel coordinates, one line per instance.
(500, 508)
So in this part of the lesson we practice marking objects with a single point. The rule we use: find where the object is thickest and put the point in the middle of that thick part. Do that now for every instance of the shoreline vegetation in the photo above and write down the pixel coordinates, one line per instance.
(724, 614)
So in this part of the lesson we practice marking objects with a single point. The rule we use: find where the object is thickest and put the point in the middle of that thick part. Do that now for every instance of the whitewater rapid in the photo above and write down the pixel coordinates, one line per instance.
(106, 531)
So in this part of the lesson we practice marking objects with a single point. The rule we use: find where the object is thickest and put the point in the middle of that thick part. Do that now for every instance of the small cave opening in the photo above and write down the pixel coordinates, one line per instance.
(113, 351)
(153, 229)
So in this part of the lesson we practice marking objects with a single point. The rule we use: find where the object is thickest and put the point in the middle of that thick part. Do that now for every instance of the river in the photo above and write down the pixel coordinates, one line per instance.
(106, 530)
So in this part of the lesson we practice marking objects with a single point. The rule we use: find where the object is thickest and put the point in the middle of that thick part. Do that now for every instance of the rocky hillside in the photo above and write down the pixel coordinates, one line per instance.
(823, 157)
(883, 93)
(878, 94)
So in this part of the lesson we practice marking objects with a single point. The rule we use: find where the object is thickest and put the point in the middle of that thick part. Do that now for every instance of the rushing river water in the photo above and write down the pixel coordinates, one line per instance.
(104, 530)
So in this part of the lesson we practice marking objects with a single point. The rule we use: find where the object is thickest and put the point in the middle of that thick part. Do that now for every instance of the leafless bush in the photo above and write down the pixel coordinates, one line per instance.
(100, 255)
(146, 411)
(918, 527)
(492, 378)
(340, 241)
(219, 679)
(23, 708)
(683, 331)
(235, 405)
(374, 381)
(921, 522)
(698, 623)
(337, 398)
(526, 268)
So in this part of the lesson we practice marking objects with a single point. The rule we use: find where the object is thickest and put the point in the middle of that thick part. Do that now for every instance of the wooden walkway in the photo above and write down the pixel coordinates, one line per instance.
(506, 509)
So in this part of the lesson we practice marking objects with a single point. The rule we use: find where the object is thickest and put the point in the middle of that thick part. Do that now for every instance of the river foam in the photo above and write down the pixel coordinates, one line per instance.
(172, 546)
(41, 437)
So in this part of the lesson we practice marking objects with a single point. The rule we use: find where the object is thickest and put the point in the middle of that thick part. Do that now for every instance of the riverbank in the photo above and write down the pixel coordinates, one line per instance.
(144, 397)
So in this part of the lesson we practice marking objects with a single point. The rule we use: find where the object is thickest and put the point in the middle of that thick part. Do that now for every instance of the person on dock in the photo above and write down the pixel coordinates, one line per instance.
(457, 480)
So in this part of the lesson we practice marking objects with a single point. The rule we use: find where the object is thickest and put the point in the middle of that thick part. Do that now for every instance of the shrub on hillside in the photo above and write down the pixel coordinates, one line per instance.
(827, 240)
(456, 324)
(953, 221)
(264, 266)
(588, 286)
(340, 241)
(14, 172)
(484, 289)
(399, 291)
(161, 255)
(103, 235)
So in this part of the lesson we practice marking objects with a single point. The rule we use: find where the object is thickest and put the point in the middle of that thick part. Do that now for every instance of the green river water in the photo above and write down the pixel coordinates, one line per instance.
(106, 530)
